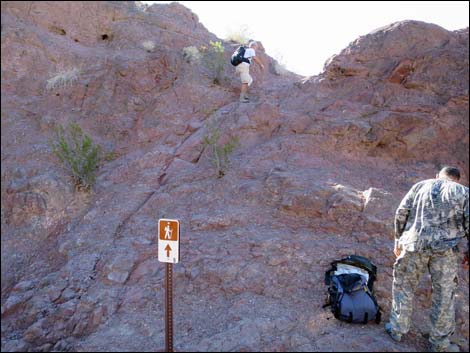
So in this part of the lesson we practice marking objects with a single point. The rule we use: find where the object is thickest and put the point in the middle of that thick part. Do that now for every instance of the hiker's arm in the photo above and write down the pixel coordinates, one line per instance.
(401, 217)
(258, 61)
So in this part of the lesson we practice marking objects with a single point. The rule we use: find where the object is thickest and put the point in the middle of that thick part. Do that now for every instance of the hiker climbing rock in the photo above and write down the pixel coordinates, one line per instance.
(242, 60)
(429, 223)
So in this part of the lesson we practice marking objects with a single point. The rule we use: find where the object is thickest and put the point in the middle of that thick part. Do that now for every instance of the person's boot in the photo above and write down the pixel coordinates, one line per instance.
(396, 336)
(244, 98)
(439, 348)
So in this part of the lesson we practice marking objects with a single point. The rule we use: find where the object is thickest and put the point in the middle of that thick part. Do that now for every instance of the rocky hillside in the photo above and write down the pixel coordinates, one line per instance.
(319, 170)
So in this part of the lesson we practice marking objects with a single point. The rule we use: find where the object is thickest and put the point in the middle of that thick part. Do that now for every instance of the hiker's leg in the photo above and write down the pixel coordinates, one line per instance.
(444, 269)
(246, 79)
(406, 274)
(250, 79)
(243, 95)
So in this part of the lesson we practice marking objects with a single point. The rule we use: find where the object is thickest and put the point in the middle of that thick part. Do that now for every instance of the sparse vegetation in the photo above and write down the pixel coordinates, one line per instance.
(240, 36)
(148, 45)
(192, 55)
(208, 111)
(214, 60)
(220, 153)
(368, 113)
(111, 156)
(79, 155)
(279, 65)
(63, 78)
(141, 6)
(57, 30)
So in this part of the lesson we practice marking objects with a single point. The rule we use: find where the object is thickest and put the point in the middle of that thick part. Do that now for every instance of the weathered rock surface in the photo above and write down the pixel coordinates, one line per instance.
(321, 165)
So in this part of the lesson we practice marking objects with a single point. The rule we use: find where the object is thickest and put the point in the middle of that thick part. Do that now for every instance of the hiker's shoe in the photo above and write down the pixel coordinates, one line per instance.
(392, 333)
(439, 348)
(244, 98)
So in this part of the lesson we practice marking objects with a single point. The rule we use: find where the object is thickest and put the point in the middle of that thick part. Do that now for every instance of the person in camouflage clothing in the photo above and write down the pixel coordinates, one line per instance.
(429, 223)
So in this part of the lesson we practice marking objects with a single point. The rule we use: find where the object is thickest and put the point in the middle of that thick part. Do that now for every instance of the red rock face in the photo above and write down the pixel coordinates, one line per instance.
(320, 168)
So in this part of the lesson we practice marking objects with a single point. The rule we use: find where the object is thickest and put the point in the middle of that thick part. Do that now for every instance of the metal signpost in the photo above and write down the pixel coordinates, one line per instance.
(169, 252)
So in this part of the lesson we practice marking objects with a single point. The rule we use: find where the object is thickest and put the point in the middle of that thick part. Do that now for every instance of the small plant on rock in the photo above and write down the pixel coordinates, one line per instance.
(111, 156)
(241, 35)
(192, 55)
(78, 153)
(279, 65)
(63, 78)
(220, 153)
(214, 60)
(148, 45)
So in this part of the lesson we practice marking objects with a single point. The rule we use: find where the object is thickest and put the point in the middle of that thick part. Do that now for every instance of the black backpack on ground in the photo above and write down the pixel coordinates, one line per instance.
(238, 56)
(349, 293)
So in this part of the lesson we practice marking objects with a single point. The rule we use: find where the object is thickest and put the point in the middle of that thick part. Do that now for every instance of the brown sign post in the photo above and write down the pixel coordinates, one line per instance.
(168, 252)
(169, 308)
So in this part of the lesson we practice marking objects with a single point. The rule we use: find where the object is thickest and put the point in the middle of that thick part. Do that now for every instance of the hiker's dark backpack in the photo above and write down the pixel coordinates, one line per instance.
(350, 294)
(238, 56)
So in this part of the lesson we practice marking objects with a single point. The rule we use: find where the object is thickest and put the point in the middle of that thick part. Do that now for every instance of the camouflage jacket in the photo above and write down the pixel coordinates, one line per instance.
(432, 216)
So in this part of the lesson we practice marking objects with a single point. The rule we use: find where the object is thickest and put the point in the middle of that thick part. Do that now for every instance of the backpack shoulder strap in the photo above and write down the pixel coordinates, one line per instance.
(330, 272)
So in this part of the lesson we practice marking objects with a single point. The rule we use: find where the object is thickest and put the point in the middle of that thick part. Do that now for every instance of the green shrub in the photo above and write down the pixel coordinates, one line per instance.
(220, 153)
(214, 60)
(78, 153)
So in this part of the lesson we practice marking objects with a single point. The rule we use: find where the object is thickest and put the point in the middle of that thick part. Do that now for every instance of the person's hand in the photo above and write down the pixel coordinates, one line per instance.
(465, 261)
(397, 251)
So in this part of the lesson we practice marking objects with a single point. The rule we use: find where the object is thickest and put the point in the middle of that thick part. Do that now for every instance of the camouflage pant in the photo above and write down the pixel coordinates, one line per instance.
(407, 271)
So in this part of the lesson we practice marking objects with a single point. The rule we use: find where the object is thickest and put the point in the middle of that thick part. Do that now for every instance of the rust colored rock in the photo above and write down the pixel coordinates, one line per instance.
(319, 169)
(401, 72)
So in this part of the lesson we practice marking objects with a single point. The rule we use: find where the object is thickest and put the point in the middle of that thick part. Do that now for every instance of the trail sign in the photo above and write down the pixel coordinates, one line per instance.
(169, 252)
(168, 240)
